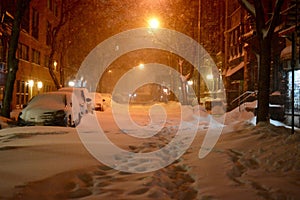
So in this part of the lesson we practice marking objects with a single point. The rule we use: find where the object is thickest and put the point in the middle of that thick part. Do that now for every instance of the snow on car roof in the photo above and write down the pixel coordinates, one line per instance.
(48, 99)
(70, 89)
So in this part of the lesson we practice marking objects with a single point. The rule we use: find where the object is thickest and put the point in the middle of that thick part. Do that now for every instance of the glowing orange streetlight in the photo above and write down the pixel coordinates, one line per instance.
(141, 66)
(153, 23)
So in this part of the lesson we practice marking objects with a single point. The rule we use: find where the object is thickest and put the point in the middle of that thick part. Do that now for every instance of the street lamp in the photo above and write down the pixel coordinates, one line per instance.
(109, 87)
(71, 83)
(209, 76)
(141, 66)
(39, 85)
(55, 65)
(30, 83)
(153, 23)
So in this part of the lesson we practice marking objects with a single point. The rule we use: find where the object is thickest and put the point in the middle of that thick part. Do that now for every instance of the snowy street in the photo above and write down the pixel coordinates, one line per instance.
(247, 162)
(150, 100)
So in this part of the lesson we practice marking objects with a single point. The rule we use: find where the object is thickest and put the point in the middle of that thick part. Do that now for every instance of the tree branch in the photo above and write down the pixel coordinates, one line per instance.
(275, 17)
(248, 6)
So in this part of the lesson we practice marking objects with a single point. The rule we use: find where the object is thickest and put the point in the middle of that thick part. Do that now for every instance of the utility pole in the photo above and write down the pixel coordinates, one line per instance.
(198, 56)
(293, 65)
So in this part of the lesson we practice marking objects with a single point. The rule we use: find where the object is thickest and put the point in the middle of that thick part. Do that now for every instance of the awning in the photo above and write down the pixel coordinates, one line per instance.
(286, 53)
(234, 69)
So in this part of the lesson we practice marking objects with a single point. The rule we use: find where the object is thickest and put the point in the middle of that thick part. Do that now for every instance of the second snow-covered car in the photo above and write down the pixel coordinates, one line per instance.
(97, 101)
(81, 94)
(52, 108)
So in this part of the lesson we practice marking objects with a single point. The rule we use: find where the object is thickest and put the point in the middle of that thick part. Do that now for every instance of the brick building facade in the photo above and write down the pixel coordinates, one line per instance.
(33, 51)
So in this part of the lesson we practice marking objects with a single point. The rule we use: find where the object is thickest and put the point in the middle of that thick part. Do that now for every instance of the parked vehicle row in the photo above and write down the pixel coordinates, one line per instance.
(64, 107)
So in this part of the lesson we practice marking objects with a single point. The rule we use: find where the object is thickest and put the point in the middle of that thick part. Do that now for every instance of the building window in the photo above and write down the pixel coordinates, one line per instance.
(25, 21)
(46, 60)
(22, 52)
(48, 36)
(21, 93)
(55, 8)
(52, 6)
(235, 46)
(2, 51)
(36, 57)
(35, 24)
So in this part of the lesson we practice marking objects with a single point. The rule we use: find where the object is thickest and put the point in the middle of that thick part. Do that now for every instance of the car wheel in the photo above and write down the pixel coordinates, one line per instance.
(77, 121)
(68, 121)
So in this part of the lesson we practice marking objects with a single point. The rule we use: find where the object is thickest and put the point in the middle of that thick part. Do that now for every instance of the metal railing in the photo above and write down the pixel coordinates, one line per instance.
(243, 97)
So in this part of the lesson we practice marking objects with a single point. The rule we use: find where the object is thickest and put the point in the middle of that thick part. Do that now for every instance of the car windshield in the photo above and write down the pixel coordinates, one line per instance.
(57, 98)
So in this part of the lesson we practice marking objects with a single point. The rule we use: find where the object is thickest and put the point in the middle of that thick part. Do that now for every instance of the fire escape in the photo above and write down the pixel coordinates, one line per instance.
(5, 29)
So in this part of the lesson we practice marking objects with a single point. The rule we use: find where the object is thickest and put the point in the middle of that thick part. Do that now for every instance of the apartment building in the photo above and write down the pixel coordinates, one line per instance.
(240, 60)
(241, 68)
(33, 52)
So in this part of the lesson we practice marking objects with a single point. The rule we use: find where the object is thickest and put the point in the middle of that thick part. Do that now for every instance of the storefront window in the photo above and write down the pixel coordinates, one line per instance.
(296, 90)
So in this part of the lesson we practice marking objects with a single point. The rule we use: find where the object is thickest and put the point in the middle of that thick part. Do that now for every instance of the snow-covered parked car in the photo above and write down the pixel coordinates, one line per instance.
(106, 100)
(97, 101)
(82, 96)
(52, 108)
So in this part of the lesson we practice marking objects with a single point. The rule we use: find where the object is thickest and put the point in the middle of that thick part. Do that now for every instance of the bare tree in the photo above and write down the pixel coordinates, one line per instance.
(264, 33)
(66, 7)
(12, 61)
(95, 21)
(184, 79)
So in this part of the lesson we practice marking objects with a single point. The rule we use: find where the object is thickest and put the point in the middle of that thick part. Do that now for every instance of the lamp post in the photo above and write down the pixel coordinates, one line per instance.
(199, 41)
(110, 88)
